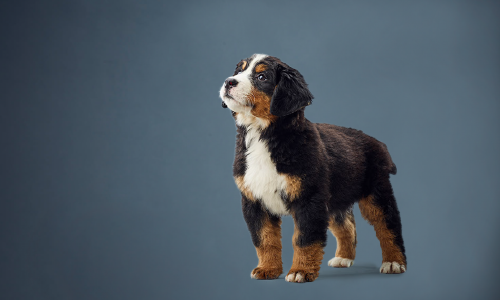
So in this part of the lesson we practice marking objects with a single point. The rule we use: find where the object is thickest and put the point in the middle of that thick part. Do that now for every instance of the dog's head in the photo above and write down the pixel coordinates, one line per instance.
(265, 87)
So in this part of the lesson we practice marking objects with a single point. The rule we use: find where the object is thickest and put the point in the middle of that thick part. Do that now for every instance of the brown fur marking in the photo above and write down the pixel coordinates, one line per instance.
(261, 105)
(269, 252)
(345, 234)
(375, 216)
(306, 260)
(243, 188)
(260, 68)
(293, 187)
(244, 65)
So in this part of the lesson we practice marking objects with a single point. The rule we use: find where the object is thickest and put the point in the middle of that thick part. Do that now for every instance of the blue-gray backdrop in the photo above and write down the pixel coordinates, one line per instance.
(116, 154)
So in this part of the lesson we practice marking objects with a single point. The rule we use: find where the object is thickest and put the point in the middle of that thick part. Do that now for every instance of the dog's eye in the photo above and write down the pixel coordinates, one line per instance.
(262, 77)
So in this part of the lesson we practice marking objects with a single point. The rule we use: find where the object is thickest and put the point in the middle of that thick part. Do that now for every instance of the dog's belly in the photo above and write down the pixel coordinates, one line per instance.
(261, 177)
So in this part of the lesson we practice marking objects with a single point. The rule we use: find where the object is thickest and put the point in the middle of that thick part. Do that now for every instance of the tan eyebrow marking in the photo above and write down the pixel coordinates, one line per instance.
(260, 68)
(244, 65)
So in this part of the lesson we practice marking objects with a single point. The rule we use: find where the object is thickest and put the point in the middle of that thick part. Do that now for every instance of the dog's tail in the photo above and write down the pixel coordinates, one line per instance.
(390, 166)
(393, 170)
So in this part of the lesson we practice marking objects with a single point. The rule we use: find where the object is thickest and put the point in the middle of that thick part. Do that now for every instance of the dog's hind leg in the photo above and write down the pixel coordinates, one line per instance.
(343, 227)
(380, 210)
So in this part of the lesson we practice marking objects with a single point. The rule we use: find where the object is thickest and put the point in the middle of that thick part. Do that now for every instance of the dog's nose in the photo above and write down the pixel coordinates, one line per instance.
(231, 82)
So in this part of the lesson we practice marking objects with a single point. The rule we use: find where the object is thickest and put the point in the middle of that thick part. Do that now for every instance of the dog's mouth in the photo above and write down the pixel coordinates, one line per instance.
(232, 98)
(227, 95)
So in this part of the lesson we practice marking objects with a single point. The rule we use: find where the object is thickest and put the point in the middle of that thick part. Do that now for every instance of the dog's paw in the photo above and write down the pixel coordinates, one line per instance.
(266, 273)
(339, 262)
(301, 276)
(392, 268)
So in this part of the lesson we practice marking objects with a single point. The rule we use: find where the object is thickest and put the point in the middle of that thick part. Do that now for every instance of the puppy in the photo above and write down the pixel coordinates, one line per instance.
(286, 165)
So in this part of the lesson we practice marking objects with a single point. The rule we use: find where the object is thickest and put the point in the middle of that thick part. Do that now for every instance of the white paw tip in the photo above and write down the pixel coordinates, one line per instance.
(392, 268)
(295, 277)
(339, 262)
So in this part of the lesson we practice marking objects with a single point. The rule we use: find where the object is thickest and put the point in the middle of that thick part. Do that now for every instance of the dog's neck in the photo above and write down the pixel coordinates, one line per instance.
(293, 121)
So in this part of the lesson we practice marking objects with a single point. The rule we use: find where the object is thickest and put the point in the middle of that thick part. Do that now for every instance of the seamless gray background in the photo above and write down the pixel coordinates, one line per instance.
(116, 156)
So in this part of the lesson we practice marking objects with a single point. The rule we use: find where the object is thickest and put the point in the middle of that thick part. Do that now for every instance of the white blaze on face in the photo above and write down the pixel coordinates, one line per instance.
(240, 103)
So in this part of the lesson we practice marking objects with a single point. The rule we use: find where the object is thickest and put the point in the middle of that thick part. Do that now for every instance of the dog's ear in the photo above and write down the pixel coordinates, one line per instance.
(291, 92)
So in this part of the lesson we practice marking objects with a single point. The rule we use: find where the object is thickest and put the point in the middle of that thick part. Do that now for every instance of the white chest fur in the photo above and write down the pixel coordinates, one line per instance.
(261, 176)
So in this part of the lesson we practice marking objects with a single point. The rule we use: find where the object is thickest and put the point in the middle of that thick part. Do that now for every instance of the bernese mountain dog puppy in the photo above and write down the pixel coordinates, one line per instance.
(286, 165)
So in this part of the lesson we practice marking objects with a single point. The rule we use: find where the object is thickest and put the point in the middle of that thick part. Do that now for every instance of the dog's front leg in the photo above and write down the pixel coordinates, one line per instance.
(265, 229)
(309, 239)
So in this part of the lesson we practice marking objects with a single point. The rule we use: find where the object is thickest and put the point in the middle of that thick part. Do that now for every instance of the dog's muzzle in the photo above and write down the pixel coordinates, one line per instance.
(229, 84)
